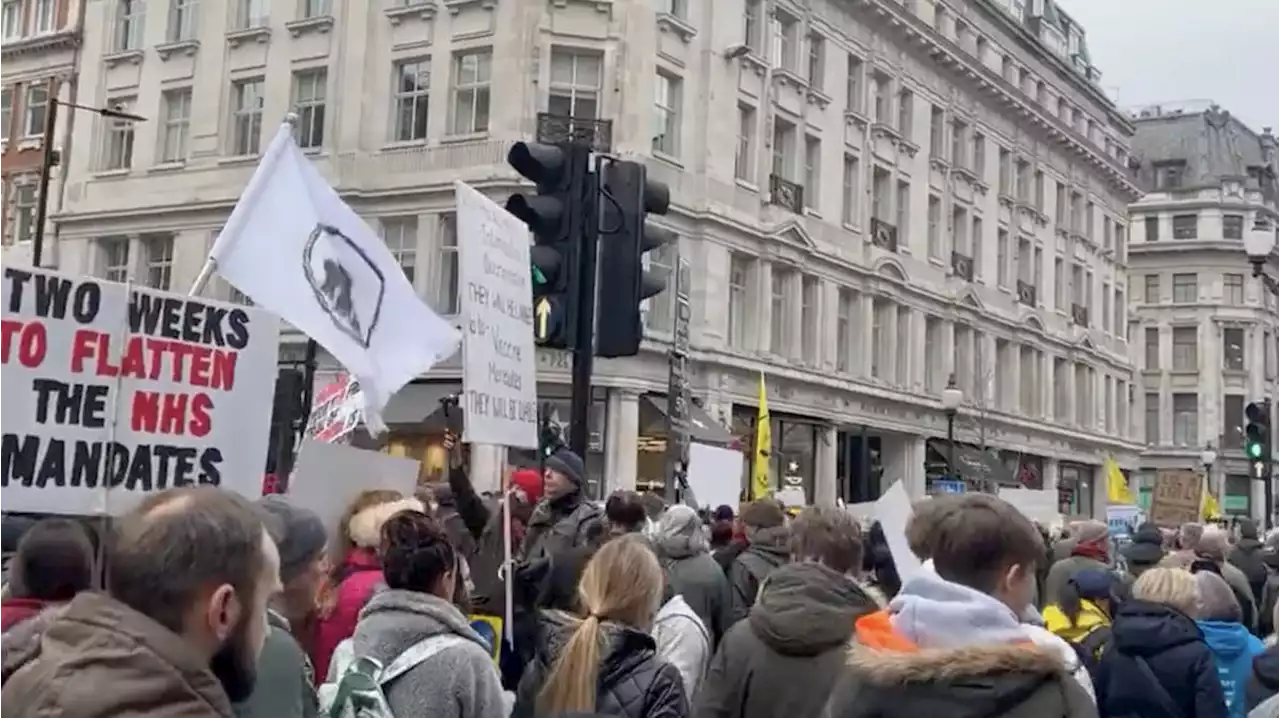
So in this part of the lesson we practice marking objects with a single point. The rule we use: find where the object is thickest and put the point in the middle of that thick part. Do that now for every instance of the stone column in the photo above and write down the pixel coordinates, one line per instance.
(866, 349)
(1049, 480)
(824, 477)
(622, 433)
(764, 307)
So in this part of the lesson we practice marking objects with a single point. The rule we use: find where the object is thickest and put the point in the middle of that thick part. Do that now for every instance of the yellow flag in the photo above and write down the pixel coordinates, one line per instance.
(1117, 488)
(760, 486)
(1209, 509)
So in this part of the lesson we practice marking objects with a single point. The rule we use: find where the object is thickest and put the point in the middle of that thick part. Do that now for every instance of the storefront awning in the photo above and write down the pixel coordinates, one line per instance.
(702, 427)
(419, 405)
(972, 464)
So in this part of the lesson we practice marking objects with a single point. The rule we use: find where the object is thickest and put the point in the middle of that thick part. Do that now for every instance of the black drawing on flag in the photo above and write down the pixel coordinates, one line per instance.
(347, 284)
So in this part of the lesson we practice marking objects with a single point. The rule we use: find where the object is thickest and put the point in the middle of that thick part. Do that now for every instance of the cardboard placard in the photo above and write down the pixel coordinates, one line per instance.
(1176, 498)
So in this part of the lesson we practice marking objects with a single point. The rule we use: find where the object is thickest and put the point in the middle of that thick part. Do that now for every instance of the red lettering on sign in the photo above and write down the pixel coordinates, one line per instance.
(33, 342)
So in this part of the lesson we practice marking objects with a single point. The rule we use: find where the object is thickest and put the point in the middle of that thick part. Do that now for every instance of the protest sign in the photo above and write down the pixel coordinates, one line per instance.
(1040, 505)
(499, 372)
(328, 477)
(336, 410)
(113, 392)
(1176, 498)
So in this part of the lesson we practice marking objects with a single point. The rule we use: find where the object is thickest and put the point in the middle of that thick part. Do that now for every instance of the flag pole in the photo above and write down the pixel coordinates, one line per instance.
(211, 264)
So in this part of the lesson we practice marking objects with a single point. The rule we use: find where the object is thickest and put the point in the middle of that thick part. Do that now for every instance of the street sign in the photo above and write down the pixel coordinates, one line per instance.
(677, 457)
(547, 317)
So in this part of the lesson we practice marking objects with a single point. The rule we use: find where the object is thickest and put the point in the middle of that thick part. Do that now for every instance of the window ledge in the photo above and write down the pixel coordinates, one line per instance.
(669, 159)
(746, 184)
(816, 96)
(168, 49)
(238, 160)
(423, 11)
(122, 56)
(754, 62)
(855, 117)
(112, 174)
(172, 166)
(676, 26)
(259, 34)
(321, 24)
(457, 6)
(33, 142)
(464, 137)
(396, 145)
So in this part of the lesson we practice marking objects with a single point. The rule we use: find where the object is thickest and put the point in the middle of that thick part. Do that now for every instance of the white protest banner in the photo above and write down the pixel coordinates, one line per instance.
(113, 392)
(715, 475)
(335, 412)
(328, 477)
(499, 370)
(1040, 505)
(894, 511)
(297, 250)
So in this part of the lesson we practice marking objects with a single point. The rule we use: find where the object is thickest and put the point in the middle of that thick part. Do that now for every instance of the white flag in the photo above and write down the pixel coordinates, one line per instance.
(296, 249)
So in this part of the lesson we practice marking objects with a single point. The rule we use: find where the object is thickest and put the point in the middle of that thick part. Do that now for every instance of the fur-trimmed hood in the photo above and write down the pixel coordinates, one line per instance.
(885, 668)
(365, 528)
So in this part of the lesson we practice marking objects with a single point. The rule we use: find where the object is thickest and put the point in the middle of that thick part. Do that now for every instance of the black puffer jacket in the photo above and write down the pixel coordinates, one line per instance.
(1264, 679)
(1247, 556)
(1145, 551)
(633, 682)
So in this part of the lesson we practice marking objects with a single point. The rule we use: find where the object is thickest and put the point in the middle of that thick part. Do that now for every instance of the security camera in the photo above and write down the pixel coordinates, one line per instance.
(736, 51)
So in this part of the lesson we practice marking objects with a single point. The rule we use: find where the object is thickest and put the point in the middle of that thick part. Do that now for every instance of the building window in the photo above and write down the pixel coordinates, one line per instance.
(849, 191)
(906, 111)
(159, 254)
(666, 100)
(21, 210)
(1185, 349)
(1151, 289)
(130, 24)
(309, 90)
(739, 273)
(1233, 421)
(575, 84)
(43, 16)
(878, 344)
(447, 289)
(118, 140)
(937, 129)
(37, 105)
(1169, 175)
(1151, 410)
(778, 319)
(903, 208)
(809, 320)
(1186, 417)
(175, 124)
(1002, 257)
(400, 234)
(11, 22)
(880, 194)
(1233, 345)
(933, 215)
(1185, 226)
(784, 134)
(182, 20)
(114, 258)
(751, 25)
(1059, 283)
(1118, 310)
(975, 246)
(785, 40)
(659, 311)
(252, 13)
(471, 76)
(959, 230)
(1232, 226)
(881, 99)
(746, 136)
(1185, 289)
(6, 113)
(853, 93)
(846, 309)
(816, 65)
(959, 131)
(1233, 289)
(979, 153)
(812, 171)
(246, 117)
(1151, 227)
(313, 8)
(413, 85)
(1151, 348)
(673, 7)
(1004, 182)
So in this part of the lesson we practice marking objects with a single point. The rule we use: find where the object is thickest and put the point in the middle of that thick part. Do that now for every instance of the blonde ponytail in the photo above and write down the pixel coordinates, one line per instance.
(622, 583)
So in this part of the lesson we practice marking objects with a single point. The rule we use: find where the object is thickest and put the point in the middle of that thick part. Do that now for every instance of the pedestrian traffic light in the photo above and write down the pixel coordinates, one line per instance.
(1257, 431)
(557, 216)
(625, 236)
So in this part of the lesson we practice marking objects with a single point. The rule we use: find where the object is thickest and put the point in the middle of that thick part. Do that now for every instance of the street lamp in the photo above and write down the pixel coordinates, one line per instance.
(52, 159)
(1207, 456)
(951, 399)
(1259, 243)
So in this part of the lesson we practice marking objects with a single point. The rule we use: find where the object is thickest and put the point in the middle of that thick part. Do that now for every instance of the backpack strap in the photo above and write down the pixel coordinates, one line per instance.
(418, 653)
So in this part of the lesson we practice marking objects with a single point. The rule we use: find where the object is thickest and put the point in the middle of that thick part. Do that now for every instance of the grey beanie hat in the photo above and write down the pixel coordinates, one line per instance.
(299, 534)
(568, 463)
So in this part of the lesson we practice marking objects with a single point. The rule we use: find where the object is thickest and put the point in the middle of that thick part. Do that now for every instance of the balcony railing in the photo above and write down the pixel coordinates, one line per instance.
(1026, 293)
(556, 129)
(962, 266)
(786, 194)
(884, 235)
(1080, 315)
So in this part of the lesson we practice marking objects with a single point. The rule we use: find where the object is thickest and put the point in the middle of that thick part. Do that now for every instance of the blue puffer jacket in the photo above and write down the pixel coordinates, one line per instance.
(1233, 651)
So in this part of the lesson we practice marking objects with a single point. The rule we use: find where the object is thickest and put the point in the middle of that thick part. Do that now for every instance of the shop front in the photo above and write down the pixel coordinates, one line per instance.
(651, 442)
(962, 468)
(1076, 489)
(794, 456)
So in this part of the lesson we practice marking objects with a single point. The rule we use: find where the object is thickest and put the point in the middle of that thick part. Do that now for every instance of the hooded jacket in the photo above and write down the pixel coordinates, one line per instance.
(683, 641)
(1264, 677)
(782, 661)
(286, 681)
(558, 525)
(943, 649)
(633, 681)
(1246, 555)
(1233, 651)
(695, 575)
(766, 550)
(1158, 666)
(458, 682)
(102, 659)
(1089, 618)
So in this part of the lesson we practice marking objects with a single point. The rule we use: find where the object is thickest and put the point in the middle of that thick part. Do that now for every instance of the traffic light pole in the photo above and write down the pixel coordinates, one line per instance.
(584, 348)
(1268, 468)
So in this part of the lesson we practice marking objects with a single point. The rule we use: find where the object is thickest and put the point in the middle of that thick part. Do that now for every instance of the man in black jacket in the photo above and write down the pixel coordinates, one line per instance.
(1246, 555)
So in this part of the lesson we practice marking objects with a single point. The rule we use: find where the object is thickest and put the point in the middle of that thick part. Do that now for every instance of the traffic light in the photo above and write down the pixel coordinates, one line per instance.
(1257, 431)
(625, 237)
(557, 216)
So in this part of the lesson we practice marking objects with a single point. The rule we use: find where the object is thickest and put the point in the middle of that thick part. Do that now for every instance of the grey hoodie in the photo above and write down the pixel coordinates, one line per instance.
(458, 682)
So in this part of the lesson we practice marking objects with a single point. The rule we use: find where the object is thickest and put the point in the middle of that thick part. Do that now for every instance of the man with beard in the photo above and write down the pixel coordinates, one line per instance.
(559, 522)
(180, 632)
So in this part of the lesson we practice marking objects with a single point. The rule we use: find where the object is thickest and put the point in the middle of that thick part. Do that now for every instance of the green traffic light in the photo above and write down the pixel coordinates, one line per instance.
(538, 276)
(1253, 449)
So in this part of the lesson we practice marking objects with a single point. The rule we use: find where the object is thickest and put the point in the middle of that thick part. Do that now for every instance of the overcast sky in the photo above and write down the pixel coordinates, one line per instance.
(1152, 51)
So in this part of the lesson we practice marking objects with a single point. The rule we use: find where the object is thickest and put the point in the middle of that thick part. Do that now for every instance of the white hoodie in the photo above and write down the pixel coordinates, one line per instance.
(683, 642)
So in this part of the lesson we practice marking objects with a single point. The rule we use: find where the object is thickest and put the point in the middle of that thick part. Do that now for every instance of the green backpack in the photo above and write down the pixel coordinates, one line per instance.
(358, 690)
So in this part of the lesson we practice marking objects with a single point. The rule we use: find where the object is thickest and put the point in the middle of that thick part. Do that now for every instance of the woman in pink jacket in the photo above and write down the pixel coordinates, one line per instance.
(358, 572)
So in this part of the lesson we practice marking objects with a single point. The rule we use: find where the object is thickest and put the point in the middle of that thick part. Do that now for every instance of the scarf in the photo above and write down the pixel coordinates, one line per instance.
(1096, 550)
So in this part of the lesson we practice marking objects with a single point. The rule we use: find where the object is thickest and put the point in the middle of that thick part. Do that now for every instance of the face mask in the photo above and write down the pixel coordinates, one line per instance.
(233, 666)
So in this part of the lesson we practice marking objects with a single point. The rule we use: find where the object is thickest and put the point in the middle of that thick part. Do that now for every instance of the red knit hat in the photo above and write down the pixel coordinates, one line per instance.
(528, 481)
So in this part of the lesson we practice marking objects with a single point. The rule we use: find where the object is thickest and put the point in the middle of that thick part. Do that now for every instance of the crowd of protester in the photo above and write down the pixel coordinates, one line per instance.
(202, 603)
